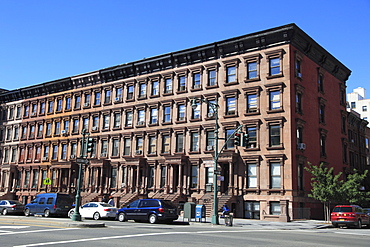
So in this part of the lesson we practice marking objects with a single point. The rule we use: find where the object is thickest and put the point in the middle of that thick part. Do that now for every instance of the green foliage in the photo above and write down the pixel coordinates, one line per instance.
(350, 189)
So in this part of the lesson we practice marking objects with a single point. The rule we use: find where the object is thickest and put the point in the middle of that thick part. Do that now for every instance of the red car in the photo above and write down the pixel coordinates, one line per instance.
(349, 215)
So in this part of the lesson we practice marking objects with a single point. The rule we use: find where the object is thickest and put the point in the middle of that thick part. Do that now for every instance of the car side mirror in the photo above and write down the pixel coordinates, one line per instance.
(33, 201)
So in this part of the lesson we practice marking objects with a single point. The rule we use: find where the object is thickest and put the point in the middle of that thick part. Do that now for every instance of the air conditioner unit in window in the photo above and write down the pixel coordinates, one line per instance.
(86, 104)
(94, 128)
(140, 123)
(301, 146)
(72, 156)
(33, 114)
(210, 114)
(64, 132)
(139, 152)
(181, 118)
(44, 158)
(209, 148)
(103, 155)
(93, 156)
(182, 88)
(117, 99)
(196, 86)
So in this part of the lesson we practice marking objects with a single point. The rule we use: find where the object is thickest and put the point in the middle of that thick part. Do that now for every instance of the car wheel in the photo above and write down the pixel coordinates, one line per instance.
(153, 219)
(70, 213)
(359, 224)
(96, 216)
(122, 217)
(27, 212)
(5, 211)
(46, 213)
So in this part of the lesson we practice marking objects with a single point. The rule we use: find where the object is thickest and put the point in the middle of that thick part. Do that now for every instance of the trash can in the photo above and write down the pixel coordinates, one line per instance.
(228, 220)
(189, 210)
(200, 212)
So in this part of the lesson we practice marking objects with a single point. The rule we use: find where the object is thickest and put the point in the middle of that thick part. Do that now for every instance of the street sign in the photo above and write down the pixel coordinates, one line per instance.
(82, 161)
(217, 172)
(47, 181)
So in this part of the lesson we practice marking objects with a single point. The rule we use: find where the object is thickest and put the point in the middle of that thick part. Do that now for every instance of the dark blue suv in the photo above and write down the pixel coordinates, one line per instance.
(152, 210)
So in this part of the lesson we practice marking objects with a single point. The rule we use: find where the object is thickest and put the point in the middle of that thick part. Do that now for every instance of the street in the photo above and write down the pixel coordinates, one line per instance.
(38, 232)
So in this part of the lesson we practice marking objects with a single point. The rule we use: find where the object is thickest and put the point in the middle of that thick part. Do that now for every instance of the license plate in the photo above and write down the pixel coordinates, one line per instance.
(66, 206)
(341, 219)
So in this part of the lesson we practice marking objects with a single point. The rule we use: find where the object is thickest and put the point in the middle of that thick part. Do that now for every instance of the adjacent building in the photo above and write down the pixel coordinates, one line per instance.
(357, 102)
(287, 91)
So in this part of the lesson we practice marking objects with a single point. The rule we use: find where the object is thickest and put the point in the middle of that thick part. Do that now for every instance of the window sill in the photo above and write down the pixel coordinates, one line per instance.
(168, 93)
(275, 76)
(128, 127)
(194, 152)
(195, 119)
(231, 116)
(275, 148)
(182, 91)
(154, 96)
(130, 100)
(252, 113)
(212, 86)
(231, 83)
(180, 121)
(196, 89)
(275, 110)
(167, 123)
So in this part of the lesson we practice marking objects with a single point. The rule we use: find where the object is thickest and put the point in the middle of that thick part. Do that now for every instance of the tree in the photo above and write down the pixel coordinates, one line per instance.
(352, 190)
(325, 186)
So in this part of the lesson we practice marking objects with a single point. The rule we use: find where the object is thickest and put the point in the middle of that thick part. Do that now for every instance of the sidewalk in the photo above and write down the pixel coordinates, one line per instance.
(259, 224)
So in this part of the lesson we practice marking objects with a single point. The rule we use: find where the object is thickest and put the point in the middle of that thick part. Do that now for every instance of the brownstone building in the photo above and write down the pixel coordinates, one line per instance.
(284, 88)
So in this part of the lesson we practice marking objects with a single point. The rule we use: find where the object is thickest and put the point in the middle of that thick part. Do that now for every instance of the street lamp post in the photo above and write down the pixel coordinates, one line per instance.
(214, 107)
(82, 160)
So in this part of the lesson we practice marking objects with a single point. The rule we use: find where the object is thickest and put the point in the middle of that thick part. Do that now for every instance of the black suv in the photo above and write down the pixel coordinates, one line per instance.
(152, 210)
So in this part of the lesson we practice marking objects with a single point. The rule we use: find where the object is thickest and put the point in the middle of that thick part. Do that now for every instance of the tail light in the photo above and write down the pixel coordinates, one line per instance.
(107, 209)
(161, 210)
(55, 206)
(13, 206)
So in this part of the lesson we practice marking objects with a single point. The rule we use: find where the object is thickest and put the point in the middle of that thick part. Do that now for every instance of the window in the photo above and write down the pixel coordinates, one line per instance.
(55, 152)
(75, 125)
(320, 82)
(231, 105)
(179, 142)
(212, 78)
(63, 155)
(209, 175)
(40, 129)
(210, 138)
(274, 134)
(196, 112)
(299, 134)
(139, 145)
(127, 146)
(141, 117)
(274, 66)
(153, 116)
(130, 92)
(97, 98)
(300, 176)
(50, 106)
(95, 122)
(42, 109)
(166, 114)
(364, 108)
(119, 93)
(274, 100)
(155, 88)
(163, 176)
(353, 105)
(210, 109)
(115, 147)
(107, 96)
(323, 145)
(252, 175)
(29, 153)
(194, 145)
(166, 144)
(16, 133)
(87, 100)
(26, 179)
(252, 72)
(230, 143)
(252, 105)
(142, 91)
(48, 129)
(152, 145)
(182, 83)
(196, 81)
(231, 74)
(181, 112)
(59, 104)
(57, 128)
(298, 68)
(26, 111)
(194, 176)
(322, 113)
(106, 119)
(38, 153)
(129, 116)
(151, 177)
(46, 152)
(275, 175)
(85, 123)
(275, 208)
(104, 148)
(68, 103)
(298, 100)
(168, 86)
(33, 110)
(113, 181)
(252, 132)
(117, 120)
(77, 102)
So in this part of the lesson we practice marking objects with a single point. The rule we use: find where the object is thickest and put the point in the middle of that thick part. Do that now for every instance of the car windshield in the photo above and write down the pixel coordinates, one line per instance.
(105, 205)
(343, 209)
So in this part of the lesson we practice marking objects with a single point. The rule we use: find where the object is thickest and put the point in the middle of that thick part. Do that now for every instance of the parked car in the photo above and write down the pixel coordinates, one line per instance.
(47, 204)
(96, 210)
(152, 210)
(349, 215)
(11, 207)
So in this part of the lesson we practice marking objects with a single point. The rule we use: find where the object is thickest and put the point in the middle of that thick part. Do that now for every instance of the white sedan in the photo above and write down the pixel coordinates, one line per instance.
(96, 210)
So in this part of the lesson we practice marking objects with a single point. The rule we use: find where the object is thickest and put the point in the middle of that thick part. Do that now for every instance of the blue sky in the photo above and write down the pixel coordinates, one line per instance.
(42, 41)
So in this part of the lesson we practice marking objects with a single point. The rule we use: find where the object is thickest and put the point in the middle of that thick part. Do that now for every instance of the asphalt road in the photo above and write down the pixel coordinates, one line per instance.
(30, 232)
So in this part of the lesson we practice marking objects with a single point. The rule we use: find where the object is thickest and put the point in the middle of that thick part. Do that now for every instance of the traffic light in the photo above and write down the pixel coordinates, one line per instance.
(89, 145)
(238, 138)
(245, 139)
